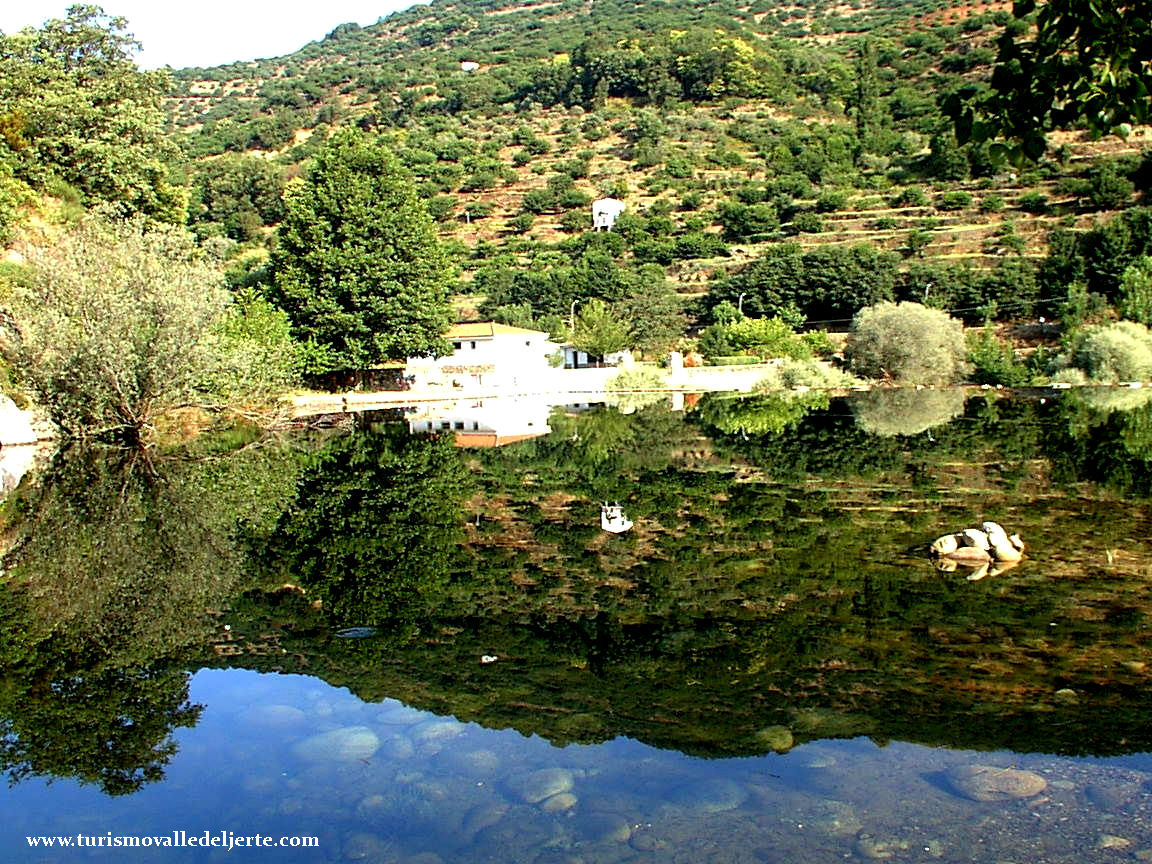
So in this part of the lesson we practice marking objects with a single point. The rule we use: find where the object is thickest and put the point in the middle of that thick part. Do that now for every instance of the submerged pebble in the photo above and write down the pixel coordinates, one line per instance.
(534, 786)
(988, 783)
(710, 796)
(348, 744)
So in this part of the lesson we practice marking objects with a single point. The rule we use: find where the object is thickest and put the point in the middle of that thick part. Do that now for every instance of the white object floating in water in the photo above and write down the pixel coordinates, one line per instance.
(612, 518)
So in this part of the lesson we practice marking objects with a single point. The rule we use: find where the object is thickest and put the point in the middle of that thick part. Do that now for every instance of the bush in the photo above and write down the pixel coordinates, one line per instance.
(906, 342)
(954, 200)
(1110, 353)
(1136, 291)
(994, 362)
(992, 203)
(1033, 202)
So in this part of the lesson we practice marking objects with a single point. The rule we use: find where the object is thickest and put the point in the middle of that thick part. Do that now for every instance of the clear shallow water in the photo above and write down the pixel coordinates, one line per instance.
(766, 668)
(287, 755)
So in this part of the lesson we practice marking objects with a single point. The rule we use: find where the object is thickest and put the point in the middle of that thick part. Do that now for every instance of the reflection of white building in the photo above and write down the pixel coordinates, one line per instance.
(489, 356)
(605, 211)
(484, 422)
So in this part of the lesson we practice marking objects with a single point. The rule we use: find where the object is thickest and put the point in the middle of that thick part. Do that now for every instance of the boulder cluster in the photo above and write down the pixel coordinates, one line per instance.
(978, 548)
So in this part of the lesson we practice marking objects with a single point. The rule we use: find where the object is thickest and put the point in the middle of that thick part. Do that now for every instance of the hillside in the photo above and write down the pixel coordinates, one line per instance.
(726, 129)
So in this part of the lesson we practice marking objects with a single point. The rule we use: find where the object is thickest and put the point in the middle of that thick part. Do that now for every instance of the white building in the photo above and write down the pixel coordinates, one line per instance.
(488, 357)
(605, 211)
(469, 65)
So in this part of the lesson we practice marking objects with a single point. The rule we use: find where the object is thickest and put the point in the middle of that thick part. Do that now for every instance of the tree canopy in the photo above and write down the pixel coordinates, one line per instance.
(75, 109)
(1084, 62)
(358, 267)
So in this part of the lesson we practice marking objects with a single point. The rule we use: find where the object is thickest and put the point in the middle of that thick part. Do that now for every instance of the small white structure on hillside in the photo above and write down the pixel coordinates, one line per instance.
(488, 356)
(469, 65)
(605, 211)
(612, 518)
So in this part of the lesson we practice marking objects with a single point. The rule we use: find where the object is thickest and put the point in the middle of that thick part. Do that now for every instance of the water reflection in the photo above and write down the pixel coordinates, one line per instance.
(764, 667)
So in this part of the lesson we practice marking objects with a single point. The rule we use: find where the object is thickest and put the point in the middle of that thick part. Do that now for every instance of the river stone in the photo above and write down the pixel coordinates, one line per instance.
(535, 786)
(482, 816)
(778, 738)
(601, 827)
(363, 846)
(879, 848)
(435, 731)
(559, 803)
(1111, 841)
(988, 783)
(644, 839)
(348, 744)
(711, 796)
(397, 748)
(1110, 796)
(479, 764)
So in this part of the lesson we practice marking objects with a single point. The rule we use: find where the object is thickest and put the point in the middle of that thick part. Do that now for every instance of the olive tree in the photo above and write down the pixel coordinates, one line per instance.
(120, 321)
(906, 342)
(1108, 353)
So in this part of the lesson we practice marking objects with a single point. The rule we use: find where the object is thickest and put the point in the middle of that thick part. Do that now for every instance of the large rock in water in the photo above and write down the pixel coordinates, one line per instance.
(347, 744)
(987, 783)
(535, 786)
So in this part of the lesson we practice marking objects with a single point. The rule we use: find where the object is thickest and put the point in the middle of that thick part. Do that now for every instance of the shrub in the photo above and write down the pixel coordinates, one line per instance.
(993, 361)
(992, 203)
(906, 342)
(808, 223)
(957, 200)
(1033, 202)
(1136, 291)
(1109, 353)
(1108, 189)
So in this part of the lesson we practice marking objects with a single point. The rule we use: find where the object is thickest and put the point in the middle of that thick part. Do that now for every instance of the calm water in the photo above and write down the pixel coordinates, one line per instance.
(419, 649)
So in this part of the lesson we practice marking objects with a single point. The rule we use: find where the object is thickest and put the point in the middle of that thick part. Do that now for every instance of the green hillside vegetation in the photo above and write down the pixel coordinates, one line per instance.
(727, 129)
(791, 162)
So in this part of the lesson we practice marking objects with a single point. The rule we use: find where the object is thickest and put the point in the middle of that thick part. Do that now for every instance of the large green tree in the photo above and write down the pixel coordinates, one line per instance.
(1076, 61)
(75, 109)
(358, 267)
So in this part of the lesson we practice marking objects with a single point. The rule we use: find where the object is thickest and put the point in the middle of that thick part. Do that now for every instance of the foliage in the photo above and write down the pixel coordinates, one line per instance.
(763, 337)
(599, 330)
(242, 194)
(768, 414)
(1135, 300)
(1110, 353)
(255, 356)
(654, 310)
(906, 342)
(358, 268)
(993, 360)
(901, 412)
(1085, 62)
(373, 529)
(74, 108)
(112, 326)
(824, 285)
